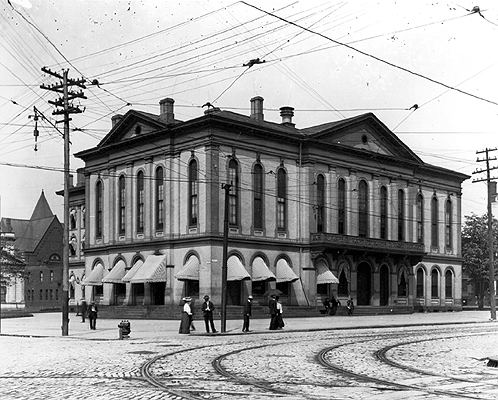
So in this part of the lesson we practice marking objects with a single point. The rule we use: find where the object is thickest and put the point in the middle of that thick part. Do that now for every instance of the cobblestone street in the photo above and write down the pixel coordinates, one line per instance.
(343, 362)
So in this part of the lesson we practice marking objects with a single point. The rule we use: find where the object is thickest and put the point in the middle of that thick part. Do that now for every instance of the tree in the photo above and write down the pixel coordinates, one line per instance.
(12, 264)
(475, 252)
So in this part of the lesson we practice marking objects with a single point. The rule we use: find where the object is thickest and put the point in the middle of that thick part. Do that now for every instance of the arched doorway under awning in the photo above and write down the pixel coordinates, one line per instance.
(384, 285)
(364, 284)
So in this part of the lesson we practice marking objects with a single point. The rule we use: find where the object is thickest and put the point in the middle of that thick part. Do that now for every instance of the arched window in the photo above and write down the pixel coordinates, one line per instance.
(434, 222)
(341, 207)
(122, 205)
(448, 222)
(281, 200)
(434, 284)
(233, 195)
(320, 203)
(383, 212)
(140, 202)
(98, 208)
(420, 283)
(402, 285)
(448, 284)
(342, 287)
(401, 215)
(258, 196)
(420, 218)
(363, 209)
(193, 188)
(159, 199)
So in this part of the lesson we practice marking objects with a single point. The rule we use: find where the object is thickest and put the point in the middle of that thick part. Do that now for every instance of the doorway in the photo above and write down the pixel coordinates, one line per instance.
(384, 285)
(364, 281)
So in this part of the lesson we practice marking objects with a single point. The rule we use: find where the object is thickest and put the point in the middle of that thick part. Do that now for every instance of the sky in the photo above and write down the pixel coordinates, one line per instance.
(328, 59)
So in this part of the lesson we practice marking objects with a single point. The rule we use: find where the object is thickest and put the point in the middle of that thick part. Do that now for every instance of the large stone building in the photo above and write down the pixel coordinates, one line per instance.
(341, 208)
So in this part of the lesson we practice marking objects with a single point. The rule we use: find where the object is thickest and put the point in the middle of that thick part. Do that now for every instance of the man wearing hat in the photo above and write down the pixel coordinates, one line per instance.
(186, 316)
(247, 314)
(207, 310)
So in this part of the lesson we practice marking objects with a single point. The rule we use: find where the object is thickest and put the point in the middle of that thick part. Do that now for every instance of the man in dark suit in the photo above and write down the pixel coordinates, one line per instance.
(207, 310)
(247, 314)
(272, 305)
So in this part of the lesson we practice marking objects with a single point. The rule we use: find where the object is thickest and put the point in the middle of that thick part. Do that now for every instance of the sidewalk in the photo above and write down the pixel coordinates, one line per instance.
(49, 325)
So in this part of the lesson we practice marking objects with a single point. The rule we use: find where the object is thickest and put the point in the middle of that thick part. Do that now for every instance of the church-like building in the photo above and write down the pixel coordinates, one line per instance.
(343, 208)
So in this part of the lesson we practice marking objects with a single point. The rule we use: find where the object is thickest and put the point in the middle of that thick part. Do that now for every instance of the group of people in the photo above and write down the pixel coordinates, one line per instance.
(332, 304)
(90, 311)
(207, 308)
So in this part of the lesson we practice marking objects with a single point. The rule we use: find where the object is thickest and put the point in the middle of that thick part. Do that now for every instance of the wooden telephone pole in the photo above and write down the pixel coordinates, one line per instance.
(65, 109)
(491, 252)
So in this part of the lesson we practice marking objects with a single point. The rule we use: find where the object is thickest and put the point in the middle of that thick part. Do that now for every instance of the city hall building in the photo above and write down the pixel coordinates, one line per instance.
(343, 208)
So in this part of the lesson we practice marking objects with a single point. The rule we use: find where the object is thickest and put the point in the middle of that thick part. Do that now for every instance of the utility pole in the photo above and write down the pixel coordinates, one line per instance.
(65, 109)
(488, 179)
(224, 268)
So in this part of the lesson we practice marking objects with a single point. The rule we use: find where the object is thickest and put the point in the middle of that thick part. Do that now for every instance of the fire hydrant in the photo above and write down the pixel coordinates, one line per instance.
(124, 329)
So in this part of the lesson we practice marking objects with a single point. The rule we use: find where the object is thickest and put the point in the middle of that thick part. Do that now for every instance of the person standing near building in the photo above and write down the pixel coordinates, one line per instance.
(272, 305)
(83, 309)
(186, 316)
(247, 314)
(350, 305)
(334, 303)
(92, 315)
(280, 310)
(207, 311)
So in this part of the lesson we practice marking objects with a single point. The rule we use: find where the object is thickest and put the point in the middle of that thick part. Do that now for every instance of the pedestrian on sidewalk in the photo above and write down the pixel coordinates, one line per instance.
(92, 315)
(272, 305)
(207, 311)
(83, 309)
(326, 304)
(186, 316)
(334, 303)
(350, 305)
(247, 314)
(280, 321)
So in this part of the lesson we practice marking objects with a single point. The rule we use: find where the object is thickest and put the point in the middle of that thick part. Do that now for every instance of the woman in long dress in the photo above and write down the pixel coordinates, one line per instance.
(186, 316)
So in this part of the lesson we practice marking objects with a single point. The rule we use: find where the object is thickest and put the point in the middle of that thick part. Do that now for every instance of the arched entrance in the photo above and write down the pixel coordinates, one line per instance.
(364, 282)
(384, 285)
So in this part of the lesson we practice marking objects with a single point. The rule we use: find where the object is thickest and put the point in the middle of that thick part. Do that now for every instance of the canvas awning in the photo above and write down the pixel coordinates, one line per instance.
(190, 271)
(260, 271)
(285, 272)
(153, 270)
(116, 274)
(132, 271)
(95, 276)
(235, 270)
(325, 275)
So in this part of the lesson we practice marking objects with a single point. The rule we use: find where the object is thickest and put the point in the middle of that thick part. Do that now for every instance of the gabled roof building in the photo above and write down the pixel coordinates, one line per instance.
(343, 208)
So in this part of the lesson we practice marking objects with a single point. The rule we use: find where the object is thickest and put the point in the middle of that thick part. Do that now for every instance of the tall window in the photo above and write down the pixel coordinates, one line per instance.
(140, 202)
(98, 207)
(383, 212)
(401, 215)
(434, 222)
(193, 187)
(258, 196)
(122, 204)
(434, 284)
(448, 284)
(342, 287)
(233, 196)
(420, 218)
(281, 199)
(41, 276)
(341, 207)
(159, 199)
(402, 285)
(363, 209)
(420, 282)
(448, 220)
(320, 203)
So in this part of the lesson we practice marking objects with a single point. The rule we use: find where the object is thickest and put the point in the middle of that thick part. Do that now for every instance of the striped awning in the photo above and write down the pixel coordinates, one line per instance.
(116, 274)
(235, 270)
(153, 270)
(260, 271)
(325, 275)
(132, 271)
(285, 272)
(95, 276)
(190, 271)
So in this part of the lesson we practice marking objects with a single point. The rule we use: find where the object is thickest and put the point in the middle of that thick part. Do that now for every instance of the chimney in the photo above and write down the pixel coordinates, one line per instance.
(80, 177)
(71, 180)
(115, 119)
(166, 111)
(287, 113)
(257, 108)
